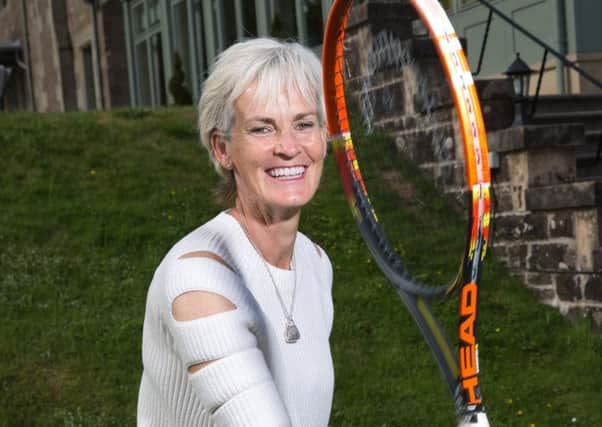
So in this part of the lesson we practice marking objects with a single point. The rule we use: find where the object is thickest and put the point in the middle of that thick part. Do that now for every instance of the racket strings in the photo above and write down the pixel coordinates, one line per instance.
(386, 54)
(388, 259)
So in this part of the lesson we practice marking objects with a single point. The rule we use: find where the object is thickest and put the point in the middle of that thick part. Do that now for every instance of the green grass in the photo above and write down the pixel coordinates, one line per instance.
(90, 203)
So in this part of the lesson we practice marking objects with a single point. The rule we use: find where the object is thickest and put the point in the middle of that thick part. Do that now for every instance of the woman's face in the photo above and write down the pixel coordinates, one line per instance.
(276, 152)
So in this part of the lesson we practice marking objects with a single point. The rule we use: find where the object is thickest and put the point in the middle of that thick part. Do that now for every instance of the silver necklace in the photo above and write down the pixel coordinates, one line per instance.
(291, 332)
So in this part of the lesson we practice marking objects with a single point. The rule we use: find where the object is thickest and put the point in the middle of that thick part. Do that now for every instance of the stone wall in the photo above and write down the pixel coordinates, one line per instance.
(545, 226)
(44, 58)
(111, 43)
(11, 29)
(50, 50)
(59, 30)
(11, 19)
(65, 54)
(82, 34)
(399, 86)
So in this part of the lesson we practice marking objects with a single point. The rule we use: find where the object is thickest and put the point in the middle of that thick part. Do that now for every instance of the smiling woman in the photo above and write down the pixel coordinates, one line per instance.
(275, 153)
(240, 308)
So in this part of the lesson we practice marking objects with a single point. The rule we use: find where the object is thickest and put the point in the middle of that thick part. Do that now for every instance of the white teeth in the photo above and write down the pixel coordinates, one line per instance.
(293, 172)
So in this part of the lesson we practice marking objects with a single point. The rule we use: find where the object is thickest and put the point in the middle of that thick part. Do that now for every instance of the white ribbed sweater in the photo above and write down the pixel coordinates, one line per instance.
(256, 378)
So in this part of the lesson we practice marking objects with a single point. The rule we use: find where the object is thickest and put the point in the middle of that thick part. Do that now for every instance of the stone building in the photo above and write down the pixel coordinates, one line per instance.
(197, 30)
(63, 54)
(87, 54)
(60, 55)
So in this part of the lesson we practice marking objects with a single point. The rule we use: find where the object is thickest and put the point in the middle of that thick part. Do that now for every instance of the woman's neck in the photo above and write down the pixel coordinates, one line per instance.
(274, 237)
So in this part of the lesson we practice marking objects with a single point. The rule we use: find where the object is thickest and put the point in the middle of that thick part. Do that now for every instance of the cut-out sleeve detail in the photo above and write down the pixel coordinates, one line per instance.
(206, 254)
(197, 304)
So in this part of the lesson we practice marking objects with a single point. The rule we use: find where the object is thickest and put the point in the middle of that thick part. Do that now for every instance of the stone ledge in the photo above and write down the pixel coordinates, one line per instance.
(536, 136)
(563, 196)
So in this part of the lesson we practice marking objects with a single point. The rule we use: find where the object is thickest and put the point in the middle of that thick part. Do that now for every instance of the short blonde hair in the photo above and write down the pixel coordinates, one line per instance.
(272, 66)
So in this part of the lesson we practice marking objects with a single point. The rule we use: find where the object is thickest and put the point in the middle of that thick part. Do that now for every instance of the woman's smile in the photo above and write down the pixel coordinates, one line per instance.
(288, 173)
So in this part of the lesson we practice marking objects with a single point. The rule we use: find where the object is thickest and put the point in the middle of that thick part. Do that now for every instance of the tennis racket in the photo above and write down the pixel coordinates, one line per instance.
(356, 75)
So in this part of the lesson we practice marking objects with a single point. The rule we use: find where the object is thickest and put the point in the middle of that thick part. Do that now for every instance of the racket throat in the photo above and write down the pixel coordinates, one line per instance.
(474, 419)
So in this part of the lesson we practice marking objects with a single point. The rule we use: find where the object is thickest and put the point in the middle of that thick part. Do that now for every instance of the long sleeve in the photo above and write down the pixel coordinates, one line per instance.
(237, 388)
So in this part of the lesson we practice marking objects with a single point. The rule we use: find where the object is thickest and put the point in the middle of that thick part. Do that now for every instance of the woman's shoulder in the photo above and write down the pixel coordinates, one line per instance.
(201, 261)
(314, 252)
(308, 244)
(210, 235)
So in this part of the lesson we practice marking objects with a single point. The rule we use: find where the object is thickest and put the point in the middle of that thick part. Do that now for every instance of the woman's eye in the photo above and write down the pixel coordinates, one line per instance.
(305, 125)
(261, 130)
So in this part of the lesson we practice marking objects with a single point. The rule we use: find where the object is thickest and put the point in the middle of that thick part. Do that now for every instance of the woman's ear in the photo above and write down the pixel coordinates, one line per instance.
(219, 147)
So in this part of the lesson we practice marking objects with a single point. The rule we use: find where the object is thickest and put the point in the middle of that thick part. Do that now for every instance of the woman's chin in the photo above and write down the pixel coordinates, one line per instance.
(291, 203)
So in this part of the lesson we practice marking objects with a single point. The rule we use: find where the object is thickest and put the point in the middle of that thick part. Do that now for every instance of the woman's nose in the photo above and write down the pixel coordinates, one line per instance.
(287, 144)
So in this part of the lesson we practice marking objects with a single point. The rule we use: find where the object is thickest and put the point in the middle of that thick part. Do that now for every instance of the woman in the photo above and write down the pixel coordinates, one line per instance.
(239, 312)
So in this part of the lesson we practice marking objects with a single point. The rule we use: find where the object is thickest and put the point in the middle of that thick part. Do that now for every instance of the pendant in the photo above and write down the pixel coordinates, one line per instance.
(291, 333)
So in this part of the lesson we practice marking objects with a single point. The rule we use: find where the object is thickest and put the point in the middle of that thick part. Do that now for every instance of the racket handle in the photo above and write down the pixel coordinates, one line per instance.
(477, 419)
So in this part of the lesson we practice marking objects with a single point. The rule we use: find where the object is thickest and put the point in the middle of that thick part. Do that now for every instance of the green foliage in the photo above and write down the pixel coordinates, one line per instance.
(277, 29)
(177, 85)
(132, 113)
(92, 201)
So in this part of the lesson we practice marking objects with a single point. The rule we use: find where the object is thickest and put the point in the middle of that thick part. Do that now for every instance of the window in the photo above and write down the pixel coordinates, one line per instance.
(153, 12)
(143, 78)
(249, 18)
(299, 20)
(147, 53)
(139, 18)
(181, 39)
(158, 70)
(284, 20)
(314, 26)
(229, 27)
(200, 56)
(90, 88)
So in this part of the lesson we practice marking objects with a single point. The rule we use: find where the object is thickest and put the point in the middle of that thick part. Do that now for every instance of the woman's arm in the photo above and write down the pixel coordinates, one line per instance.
(198, 304)
(216, 340)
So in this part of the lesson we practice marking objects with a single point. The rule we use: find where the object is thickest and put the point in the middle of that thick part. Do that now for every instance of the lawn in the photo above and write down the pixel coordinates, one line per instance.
(90, 202)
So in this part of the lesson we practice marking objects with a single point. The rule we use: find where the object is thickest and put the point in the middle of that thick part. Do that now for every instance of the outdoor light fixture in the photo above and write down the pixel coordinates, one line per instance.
(520, 73)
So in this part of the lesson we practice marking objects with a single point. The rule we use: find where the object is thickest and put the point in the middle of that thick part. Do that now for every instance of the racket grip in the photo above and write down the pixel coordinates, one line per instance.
(476, 419)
